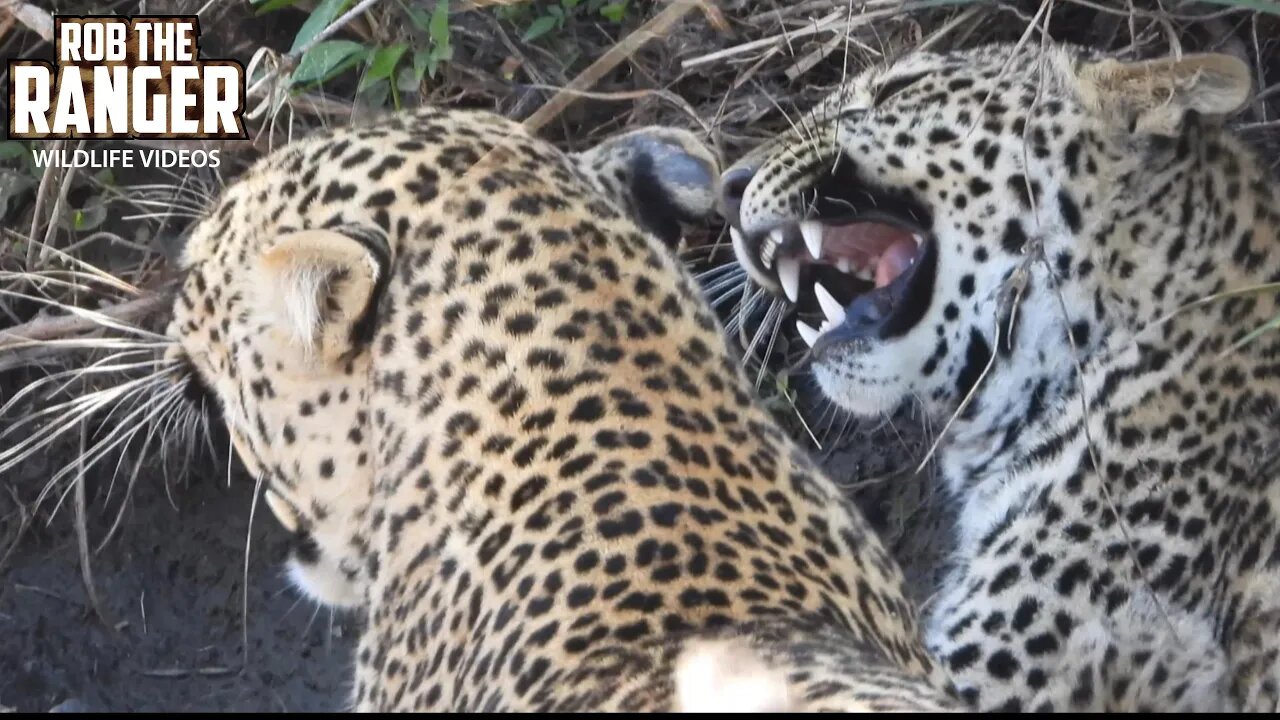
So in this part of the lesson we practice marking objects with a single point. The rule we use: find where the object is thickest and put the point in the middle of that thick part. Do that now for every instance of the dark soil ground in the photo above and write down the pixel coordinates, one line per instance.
(171, 584)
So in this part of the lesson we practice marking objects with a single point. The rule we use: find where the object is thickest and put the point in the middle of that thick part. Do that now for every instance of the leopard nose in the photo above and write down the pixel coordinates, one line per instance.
(733, 185)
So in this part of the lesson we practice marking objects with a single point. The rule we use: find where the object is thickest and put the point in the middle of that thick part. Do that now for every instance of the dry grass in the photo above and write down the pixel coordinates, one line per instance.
(738, 70)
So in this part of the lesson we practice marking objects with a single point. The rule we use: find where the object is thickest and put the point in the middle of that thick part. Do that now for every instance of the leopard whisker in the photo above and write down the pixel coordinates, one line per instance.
(101, 366)
(248, 546)
(175, 405)
(52, 278)
(773, 339)
(730, 280)
(70, 413)
(122, 434)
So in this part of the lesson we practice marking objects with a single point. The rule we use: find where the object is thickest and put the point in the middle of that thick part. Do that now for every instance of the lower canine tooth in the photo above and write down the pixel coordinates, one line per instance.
(789, 276)
(812, 233)
(808, 334)
(830, 306)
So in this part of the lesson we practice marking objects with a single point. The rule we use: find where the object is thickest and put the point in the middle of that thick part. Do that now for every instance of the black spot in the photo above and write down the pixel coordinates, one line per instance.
(381, 199)
(1070, 212)
(522, 324)
(1002, 664)
(1006, 577)
(976, 357)
(1025, 614)
(963, 657)
(629, 523)
(941, 135)
(665, 515)
(1071, 576)
(1014, 238)
(588, 409)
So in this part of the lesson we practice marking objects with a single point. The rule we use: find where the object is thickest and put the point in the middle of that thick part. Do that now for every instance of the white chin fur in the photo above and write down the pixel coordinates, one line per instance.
(325, 584)
(860, 398)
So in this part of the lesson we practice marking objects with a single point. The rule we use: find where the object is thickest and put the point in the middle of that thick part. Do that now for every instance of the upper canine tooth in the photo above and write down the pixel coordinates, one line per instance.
(789, 276)
(830, 306)
(808, 334)
(736, 235)
(777, 236)
(812, 232)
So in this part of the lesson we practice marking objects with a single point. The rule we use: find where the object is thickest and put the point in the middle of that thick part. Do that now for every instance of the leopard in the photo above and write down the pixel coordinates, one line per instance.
(504, 427)
(1064, 258)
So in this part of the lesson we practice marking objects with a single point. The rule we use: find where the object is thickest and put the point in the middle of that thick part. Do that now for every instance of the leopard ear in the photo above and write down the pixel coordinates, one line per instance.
(321, 287)
(660, 176)
(1156, 96)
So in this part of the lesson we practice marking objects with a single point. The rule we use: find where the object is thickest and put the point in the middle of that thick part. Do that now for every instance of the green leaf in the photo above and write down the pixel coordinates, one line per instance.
(418, 17)
(10, 149)
(384, 62)
(324, 14)
(614, 12)
(441, 55)
(439, 29)
(376, 93)
(267, 6)
(89, 217)
(323, 59)
(406, 79)
(12, 185)
(512, 13)
(422, 62)
(540, 27)
(570, 4)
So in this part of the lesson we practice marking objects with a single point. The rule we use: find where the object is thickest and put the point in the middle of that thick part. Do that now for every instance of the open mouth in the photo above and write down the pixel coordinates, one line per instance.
(861, 266)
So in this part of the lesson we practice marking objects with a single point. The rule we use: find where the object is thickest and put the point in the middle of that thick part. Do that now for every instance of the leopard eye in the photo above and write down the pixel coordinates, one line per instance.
(893, 87)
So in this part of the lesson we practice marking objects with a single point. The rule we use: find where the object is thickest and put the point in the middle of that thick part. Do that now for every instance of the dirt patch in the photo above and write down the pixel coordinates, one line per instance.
(172, 585)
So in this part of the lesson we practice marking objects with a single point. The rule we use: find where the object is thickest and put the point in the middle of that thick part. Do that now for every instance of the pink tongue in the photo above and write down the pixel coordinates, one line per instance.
(895, 260)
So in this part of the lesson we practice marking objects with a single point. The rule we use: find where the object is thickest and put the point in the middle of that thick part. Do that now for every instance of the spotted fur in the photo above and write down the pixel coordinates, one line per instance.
(1115, 469)
(502, 421)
